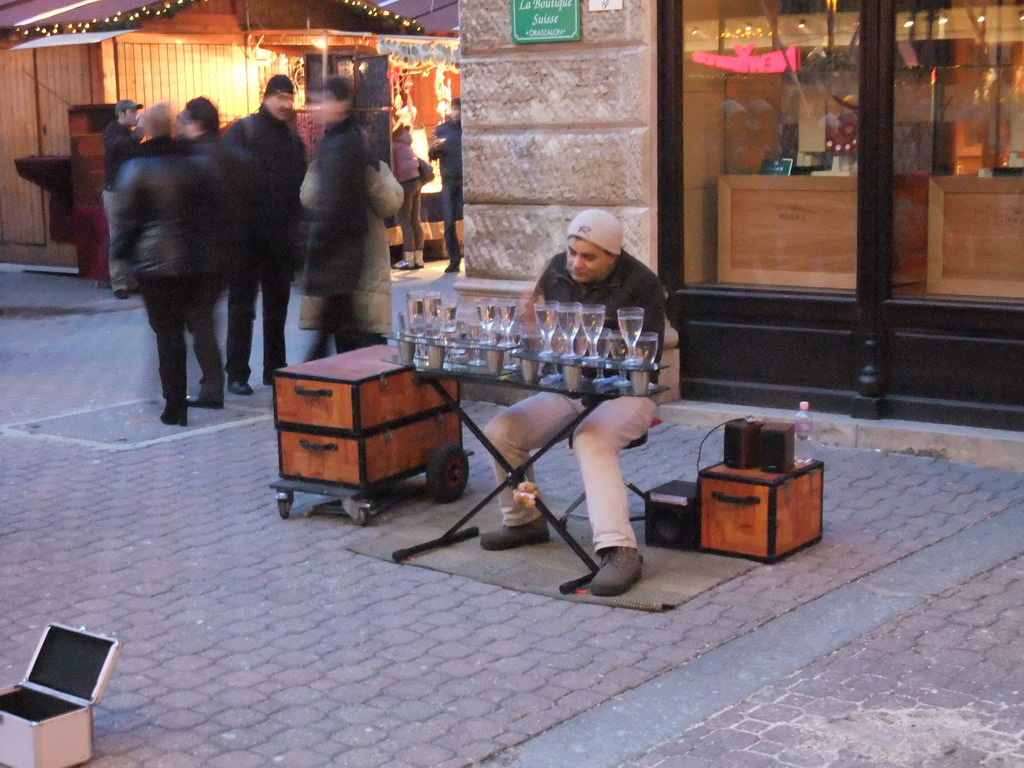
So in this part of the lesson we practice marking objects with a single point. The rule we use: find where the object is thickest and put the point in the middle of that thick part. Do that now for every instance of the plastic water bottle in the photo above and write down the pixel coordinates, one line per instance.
(803, 426)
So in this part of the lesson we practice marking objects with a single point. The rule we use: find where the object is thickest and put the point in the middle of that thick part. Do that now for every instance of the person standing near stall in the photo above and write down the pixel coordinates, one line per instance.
(407, 171)
(267, 261)
(339, 222)
(169, 224)
(120, 144)
(447, 146)
(199, 123)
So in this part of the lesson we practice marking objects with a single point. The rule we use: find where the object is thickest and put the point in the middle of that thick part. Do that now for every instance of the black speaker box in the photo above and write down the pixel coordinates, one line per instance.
(672, 516)
(777, 446)
(743, 443)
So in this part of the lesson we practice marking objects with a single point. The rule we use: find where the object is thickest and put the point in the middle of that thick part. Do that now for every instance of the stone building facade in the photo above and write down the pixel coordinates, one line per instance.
(551, 129)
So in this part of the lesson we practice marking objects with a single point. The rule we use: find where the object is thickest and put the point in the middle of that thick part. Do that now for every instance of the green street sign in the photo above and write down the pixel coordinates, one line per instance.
(545, 21)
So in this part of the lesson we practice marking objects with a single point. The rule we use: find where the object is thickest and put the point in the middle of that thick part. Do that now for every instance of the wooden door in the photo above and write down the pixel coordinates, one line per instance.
(21, 203)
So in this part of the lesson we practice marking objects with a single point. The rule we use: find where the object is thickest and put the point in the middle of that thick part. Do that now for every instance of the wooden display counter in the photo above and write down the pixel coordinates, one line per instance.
(788, 230)
(974, 233)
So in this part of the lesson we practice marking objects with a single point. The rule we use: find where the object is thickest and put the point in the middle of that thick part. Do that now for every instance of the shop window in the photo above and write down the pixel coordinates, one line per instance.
(958, 151)
(770, 143)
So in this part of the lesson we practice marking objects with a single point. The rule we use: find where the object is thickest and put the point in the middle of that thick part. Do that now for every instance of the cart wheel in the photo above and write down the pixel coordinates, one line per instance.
(447, 472)
(284, 503)
(358, 510)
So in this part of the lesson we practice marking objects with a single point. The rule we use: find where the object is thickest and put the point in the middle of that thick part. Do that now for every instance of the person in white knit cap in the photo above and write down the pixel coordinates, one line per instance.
(593, 269)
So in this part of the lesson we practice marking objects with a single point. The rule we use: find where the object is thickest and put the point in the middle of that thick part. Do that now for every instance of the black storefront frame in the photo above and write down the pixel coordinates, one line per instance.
(867, 354)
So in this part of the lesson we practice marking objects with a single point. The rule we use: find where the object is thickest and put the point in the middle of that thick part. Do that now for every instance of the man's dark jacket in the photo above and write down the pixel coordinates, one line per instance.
(119, 146)
(451, 152)
(278, 166)
(629, 284)
(169, 213)
(339, 220)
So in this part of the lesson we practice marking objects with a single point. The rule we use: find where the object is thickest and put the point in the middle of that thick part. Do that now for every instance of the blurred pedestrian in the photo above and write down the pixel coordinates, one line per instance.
(168, 220)
(407, 170)
(447, 146)
(339, 222)
(199, 123)
(120, 144)
(266, 263)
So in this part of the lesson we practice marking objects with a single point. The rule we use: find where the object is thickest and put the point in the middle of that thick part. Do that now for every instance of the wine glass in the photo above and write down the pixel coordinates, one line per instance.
(487, 314)
(449, 314)
(432, 310)
(647, 348)
(475, 335)
(417, 322)
(591, 323)
(505, 309)
(569, 321)
(547, 323)
(617, 353)
(631, 323)
(414, 308)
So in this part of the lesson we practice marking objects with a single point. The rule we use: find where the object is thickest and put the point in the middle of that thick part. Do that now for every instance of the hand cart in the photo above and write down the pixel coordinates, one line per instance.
(359, 421)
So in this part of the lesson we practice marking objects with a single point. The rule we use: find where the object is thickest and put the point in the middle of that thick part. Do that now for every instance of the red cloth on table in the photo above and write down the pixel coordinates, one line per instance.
(92, 242)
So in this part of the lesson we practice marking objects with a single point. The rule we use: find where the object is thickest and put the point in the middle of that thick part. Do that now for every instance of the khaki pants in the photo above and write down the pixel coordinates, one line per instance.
(119, 279)
(530, 423)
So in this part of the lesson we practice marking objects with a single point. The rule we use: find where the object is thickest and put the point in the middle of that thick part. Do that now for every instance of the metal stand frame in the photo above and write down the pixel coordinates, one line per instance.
(513, 477)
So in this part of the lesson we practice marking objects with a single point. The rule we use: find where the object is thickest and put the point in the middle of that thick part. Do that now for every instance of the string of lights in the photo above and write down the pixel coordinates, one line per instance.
(133, 17)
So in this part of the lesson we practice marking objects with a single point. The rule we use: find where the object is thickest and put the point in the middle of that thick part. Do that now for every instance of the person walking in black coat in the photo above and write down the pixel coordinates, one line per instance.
(339, 224)
(447, 146)
(168, 218)
(267, 260)
(199, 123)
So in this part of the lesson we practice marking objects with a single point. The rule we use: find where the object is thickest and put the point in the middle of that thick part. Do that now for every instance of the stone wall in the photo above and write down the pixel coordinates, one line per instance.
(551, 129)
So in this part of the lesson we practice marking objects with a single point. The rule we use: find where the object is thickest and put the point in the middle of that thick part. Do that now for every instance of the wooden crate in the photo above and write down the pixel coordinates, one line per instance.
(366, 459)
(788, 230)
(358, 419)
(760, 515)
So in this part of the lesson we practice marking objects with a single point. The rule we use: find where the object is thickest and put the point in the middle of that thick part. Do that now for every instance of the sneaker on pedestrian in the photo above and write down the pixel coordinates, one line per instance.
(452, 268)
(122, 293)
(620, 570)
(510, 537)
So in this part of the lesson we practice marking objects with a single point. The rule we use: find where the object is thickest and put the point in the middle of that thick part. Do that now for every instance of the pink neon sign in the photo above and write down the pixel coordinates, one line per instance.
(772, 62)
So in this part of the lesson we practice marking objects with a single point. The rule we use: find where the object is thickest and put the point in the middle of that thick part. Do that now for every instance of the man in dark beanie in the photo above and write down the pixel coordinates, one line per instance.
(270, 232)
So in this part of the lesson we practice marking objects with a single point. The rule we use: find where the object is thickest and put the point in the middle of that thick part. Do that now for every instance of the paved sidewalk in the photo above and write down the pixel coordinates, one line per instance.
(255, 641)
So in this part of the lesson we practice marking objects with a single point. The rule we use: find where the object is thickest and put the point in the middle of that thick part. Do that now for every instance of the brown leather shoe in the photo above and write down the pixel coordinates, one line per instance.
(510, 537)
(620, 570)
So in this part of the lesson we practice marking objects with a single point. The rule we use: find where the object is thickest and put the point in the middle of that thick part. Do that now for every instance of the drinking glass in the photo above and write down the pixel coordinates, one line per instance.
(505, 309)
(547, 323)
(569, 321)
(449, 314)
(432, 310)
(631, 323)
(475, 336)
(487, 314)
(414, 310)
(617, 353)
(417, 322)
(647, 348)
(591, 323)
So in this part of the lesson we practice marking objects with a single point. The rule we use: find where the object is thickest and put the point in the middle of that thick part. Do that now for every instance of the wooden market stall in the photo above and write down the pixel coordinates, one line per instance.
(55, 56)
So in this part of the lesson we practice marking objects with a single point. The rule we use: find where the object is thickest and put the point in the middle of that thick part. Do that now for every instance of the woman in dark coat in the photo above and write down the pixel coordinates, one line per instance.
(168, 220)
(339, 224)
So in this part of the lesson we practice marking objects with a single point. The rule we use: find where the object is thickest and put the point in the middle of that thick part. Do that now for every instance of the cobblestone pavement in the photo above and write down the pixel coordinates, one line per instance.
(254, 641)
